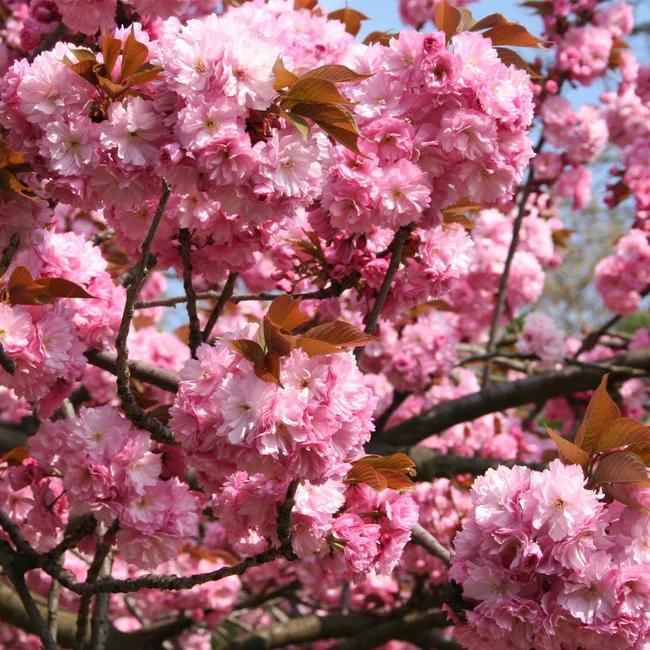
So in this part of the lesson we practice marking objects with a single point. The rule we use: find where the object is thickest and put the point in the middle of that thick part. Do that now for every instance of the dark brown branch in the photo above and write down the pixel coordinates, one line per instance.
(96, 567)
(505, 276)
(32, 559)
(264, 296)
(132, 409)
(402, 628)
(195, 337)
(422, 537)
(225, 296)
(396, 247)
(146, 372)
(6, 362)
(592, 339)
(13, 613)
(302, 630)
(17, 578)
(9, 252)
(284, 522)
(517, 393)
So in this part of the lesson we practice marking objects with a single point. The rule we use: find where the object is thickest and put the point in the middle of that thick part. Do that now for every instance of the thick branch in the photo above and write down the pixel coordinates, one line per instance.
(422, 537)
(13, 613)
(302, 630)
(517, 393)
(403, 628)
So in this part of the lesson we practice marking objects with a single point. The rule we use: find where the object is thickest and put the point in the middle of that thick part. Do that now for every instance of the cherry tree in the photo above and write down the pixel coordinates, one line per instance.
(273, 373)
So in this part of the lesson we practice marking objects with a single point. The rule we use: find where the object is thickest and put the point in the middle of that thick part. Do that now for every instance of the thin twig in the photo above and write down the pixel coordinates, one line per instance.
(505, 275)
(17, 578)
(396, 247)
(132, 409)
(422, 537)
(284, 522)
(225, 296)
(94, 571)
(167, 582)
(592, 339)
(264, 296)
(195, 337)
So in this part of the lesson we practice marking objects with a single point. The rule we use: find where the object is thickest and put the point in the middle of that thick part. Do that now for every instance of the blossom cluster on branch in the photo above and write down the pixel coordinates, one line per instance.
(249, 262)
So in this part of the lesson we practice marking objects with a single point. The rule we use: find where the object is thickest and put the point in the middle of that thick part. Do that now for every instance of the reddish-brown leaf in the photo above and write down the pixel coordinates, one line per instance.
(381, 472)
(510, 57)
(489, 21)
(618, 491)
(146, 73)
(134, 56)
(84, 55)
(285, 312)
(601, 411)
(620, 467)
(622, 432)
(269, 368)
(447, 18)
(112, 89)
(569, 452)
(383, 38)
(335, 74)
(304, 4)
(542, 7)
(336, 121)
(512, 34)
(111, 48)
(62, 288)
(85, 69)
(335, 335)
(299, 123)
(15, 457)
(466, 21)
(283, 77)
(312, 89)
(161, 412)
(248, 349)
(351, 18)
(276, 340)
(24, 290)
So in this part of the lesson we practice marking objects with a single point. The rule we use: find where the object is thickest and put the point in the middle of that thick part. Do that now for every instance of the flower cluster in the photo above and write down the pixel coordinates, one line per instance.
(46, 342)
(109, 469)
(548, 563)
(622, 278)
(308, 428)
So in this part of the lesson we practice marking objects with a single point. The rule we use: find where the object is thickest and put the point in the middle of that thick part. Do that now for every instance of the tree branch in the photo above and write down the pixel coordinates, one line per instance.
(396, 247)
(225, 296)
(422, 537)
(146, 372)
(195, 338)
(537, 388)
(133, 411)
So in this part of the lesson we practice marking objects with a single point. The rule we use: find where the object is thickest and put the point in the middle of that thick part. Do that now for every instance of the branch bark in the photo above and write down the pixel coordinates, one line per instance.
(517, 393)
(132, 409)
(195, 338)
